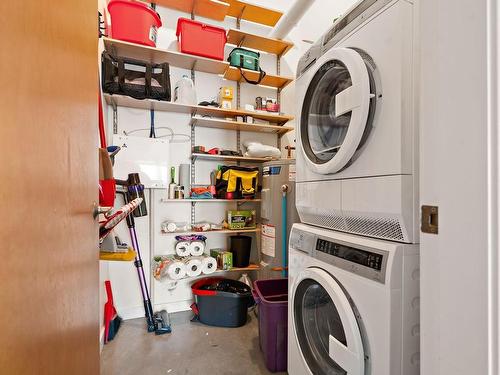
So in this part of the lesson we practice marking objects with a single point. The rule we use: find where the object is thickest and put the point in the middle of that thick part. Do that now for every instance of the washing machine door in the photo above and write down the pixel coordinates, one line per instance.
(325, 325)
(337, 110)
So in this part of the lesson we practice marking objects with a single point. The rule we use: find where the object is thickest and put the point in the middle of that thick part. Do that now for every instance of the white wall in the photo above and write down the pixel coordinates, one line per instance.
(123, 275)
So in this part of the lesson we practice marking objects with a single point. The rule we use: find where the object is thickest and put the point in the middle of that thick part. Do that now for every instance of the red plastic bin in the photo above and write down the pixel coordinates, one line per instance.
(200, 39)
(134, 22)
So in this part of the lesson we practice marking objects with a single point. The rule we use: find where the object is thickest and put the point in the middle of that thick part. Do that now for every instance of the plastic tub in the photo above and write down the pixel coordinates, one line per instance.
(272, 298)
(199, 39)
(221, 302)
(133, 21)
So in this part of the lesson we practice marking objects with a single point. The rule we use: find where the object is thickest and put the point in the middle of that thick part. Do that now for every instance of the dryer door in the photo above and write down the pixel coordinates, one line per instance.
(337, 110)
(326, 328)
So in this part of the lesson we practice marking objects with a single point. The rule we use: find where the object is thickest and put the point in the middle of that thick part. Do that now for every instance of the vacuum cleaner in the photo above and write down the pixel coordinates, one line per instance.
(158, 322)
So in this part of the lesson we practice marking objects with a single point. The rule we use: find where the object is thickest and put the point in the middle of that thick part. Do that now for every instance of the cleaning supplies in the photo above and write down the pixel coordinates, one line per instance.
(173, 185)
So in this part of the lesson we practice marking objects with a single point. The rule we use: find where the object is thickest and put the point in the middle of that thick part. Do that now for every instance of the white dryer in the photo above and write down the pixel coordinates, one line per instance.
(356, 127)
(353, 305)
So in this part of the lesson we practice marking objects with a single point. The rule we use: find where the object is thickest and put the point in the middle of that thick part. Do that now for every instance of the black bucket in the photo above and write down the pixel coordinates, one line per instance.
(241, 247)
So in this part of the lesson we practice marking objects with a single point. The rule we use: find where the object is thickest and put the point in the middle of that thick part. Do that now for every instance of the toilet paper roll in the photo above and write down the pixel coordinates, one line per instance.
(183, 248)
(176, 270)
(193, 267)
(197, 248)
(208, 265)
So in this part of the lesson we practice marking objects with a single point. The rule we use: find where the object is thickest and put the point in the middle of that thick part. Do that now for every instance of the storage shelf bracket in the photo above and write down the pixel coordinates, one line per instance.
(240, 16)
(115, 117)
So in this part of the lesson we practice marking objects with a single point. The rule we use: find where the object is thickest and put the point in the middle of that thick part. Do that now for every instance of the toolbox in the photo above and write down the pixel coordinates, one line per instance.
(197, 38)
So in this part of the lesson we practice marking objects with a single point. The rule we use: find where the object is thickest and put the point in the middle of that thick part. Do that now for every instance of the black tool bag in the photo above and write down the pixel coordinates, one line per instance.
(138, 79)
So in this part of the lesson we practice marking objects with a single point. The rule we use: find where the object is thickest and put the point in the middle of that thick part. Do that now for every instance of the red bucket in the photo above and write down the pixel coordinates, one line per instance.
(133, 21)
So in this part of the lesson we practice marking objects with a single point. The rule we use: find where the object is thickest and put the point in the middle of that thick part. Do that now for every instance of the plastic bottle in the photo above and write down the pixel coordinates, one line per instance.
(184, 92)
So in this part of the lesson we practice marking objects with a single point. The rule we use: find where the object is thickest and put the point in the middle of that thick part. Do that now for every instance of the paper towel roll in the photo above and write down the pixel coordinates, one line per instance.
(193, 266)
(197, 248)
(208, 265)
(183, 248)
(176, 270)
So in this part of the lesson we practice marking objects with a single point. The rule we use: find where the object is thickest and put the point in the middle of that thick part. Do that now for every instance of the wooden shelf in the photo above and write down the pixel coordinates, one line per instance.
(222, 158)
(212, 9)
(251, 267)
(219, 112)
(159, 56)
(222, 231)
(234, 74)
(261, 43)
(158, 105)
(253, 13)
(210, 200)
(209, 122)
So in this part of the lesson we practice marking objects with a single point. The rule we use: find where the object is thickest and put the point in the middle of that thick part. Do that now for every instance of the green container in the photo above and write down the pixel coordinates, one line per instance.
(244, 58)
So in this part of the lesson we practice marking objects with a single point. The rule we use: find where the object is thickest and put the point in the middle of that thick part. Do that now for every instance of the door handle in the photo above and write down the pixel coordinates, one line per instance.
(97, 210)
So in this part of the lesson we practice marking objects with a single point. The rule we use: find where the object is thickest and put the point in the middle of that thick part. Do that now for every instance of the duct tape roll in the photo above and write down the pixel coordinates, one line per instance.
(176, 270)
(208, 265)
(193, 266)
(183, 248)
(197, 248)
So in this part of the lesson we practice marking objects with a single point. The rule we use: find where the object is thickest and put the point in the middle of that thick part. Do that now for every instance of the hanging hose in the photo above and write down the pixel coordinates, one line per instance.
(284, 230)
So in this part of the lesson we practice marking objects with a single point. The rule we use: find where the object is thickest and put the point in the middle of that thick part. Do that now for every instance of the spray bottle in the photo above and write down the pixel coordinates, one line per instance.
(173, 185)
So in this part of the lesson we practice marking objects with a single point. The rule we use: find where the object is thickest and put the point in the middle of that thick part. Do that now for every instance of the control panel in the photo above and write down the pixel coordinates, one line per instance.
(362, 257)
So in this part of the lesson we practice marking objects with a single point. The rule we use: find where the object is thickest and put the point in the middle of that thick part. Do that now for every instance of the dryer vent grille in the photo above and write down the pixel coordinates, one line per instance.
(385, 228)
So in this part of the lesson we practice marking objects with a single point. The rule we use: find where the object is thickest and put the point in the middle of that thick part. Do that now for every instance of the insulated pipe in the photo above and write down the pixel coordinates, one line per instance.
(288, 21)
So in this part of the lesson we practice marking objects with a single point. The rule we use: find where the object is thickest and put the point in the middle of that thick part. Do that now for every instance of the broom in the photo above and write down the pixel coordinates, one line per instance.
(111, 319)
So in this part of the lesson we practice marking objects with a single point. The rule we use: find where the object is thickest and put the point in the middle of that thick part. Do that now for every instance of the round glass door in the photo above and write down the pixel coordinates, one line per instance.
(325, 325)
(336, 110)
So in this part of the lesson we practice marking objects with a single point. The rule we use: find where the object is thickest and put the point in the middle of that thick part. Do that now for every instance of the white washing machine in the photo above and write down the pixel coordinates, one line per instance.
(356, 127)
(353, 305)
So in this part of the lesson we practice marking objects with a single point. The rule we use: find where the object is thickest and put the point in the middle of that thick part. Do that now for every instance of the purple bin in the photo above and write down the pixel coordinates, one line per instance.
(272, 298)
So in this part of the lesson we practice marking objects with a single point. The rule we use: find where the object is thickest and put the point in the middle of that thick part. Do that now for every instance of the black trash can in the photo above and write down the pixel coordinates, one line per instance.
(241, 246)
(221, 302)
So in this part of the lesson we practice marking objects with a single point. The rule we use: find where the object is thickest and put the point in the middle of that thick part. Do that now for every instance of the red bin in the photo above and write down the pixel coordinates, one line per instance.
(197, 38)
(133, 21)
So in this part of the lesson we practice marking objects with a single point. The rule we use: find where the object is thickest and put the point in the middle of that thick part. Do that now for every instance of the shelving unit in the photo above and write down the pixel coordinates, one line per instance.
(222, 231)
(223, 158)
(247, 40)
(158, 105)
(159, 56)
(251, 267)
(210, 117)
(209, 122)
(211, 200)
(278, 82)
(253, 13)
(212, 9)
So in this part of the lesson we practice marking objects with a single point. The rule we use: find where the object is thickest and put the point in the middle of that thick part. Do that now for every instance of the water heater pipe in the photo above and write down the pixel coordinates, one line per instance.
(288, 21)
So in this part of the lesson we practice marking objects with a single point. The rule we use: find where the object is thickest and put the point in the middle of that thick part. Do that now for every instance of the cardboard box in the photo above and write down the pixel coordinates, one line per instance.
(224, 258)
(241, 219)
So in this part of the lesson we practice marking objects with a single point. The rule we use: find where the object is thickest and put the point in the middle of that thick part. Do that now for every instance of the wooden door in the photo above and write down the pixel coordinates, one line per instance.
(49, 282)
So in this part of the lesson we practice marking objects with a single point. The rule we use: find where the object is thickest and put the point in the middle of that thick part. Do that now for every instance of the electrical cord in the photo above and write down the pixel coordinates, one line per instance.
(172, 135)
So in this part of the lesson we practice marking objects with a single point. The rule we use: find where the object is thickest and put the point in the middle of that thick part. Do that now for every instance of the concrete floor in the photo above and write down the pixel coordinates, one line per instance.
(191, 348)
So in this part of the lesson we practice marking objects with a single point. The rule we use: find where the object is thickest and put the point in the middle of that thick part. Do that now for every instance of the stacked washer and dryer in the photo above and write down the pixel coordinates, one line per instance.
(354, 260)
